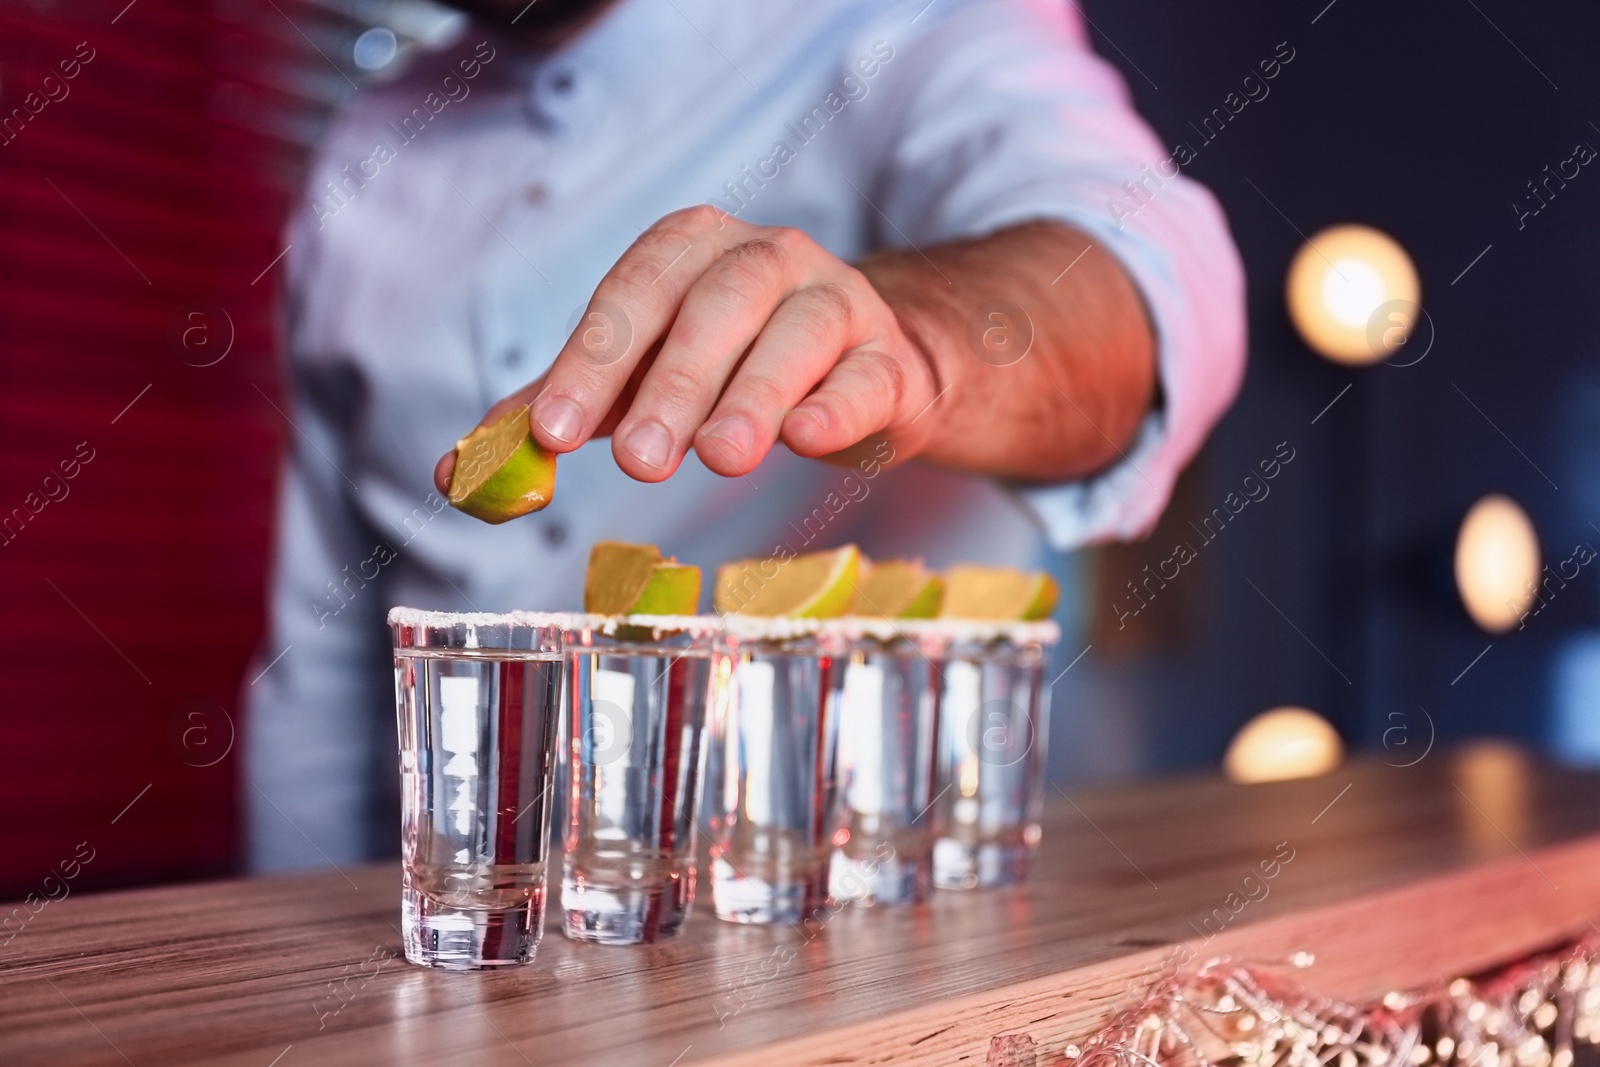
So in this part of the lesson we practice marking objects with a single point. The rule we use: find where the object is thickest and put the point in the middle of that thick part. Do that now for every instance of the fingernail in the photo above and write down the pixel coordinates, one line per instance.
(560, 418)
(650, 443)
(735, 431)
(817, 413)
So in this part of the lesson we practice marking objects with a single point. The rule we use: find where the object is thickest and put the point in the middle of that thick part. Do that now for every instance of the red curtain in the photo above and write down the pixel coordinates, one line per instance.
(147, 154)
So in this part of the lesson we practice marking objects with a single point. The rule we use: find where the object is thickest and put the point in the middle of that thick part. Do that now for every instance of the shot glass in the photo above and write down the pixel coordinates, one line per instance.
(772, 796)
(478, 697)
(889, 697)
(993, 740)
(636, 712)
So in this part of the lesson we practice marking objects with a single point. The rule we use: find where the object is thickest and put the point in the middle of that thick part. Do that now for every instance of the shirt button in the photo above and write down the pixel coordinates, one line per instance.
(536, 194)
(562, 82)
(513, 357)
(555, 533)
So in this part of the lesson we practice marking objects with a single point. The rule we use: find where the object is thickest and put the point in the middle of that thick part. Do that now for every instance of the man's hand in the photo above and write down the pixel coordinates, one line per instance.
(1025, 354)
(717, 335)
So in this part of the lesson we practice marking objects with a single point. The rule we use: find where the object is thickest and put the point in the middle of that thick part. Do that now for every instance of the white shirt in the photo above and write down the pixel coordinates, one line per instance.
(458, 218)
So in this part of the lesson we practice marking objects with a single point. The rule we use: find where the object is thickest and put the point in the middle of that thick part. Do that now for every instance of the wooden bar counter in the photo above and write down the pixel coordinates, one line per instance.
(1392, 877)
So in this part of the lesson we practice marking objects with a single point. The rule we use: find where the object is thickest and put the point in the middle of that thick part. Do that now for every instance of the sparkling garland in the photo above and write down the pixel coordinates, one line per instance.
(1232, 1014)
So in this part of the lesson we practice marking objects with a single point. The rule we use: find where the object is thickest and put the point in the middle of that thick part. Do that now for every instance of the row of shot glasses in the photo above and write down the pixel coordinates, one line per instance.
(849, 759)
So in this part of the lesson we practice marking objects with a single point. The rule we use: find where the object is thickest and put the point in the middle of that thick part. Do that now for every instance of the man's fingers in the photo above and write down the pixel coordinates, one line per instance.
(442, 471)
(630, 310)
(868, 391)
(800, 342)
(711, 333)
(721, 316)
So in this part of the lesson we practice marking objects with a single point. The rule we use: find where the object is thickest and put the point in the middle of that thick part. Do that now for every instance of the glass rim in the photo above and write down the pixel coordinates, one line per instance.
(853, 628)
(564, 620)
(847, 628)
(439, 620)
(539, 630)
(647, 628)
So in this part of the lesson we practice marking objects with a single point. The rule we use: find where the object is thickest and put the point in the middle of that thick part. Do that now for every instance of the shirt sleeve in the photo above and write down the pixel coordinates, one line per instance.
(316, 747)
(1001, 114)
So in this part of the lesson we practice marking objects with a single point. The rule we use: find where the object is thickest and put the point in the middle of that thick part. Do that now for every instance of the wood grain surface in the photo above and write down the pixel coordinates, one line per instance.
(1392, 877)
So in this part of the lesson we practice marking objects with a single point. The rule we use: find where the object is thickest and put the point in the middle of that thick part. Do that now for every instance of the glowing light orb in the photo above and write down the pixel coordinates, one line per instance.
(1353, 294)
(1497, 562)
(1281, 744)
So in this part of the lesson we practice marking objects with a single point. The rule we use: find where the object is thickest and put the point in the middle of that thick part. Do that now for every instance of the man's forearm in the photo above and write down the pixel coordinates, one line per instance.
(1075, 399)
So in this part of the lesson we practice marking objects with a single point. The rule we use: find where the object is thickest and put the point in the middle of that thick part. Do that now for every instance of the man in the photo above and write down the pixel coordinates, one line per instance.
(910, 251)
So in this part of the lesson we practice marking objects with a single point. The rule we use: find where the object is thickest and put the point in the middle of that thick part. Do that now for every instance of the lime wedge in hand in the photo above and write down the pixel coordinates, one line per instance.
(626, 579)
(997, 593)
(817, 585)
(898, 589)
(501, 472)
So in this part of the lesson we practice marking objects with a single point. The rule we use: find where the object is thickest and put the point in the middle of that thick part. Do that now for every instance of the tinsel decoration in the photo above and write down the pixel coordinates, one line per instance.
(1228, 1013)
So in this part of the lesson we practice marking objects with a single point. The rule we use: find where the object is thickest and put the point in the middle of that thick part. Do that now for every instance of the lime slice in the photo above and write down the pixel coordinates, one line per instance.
(500, 472)
(817, 585)
(997, 593)
(626, 579)
(898, 589)
(618, 573)
(673, 589)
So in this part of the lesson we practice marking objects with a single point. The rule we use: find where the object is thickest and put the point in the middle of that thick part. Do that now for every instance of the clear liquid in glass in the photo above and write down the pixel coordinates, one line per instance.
(772, 794)
(477, 745)
(635, 752)
(991, 773)
(888, 723)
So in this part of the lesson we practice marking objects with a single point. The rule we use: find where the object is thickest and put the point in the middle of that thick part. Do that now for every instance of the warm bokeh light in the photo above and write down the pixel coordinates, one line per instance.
(1494, 787)
(1497, 562)
(1281, 744)
(1353, 294)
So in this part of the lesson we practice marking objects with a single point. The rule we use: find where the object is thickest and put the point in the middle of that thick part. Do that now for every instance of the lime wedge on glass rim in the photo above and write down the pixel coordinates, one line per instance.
(501, 472)
(972, 592)
(816, 585)
(626, 579)
(898, 589)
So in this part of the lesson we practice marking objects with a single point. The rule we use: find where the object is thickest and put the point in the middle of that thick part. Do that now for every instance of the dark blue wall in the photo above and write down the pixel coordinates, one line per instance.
(1425, 120)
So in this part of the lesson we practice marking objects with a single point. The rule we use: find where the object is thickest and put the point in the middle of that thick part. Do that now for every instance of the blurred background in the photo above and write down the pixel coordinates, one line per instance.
(142, 197)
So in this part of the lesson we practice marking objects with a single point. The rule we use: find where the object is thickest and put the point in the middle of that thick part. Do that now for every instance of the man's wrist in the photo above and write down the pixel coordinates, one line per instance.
(911, 292)
(1041, 381)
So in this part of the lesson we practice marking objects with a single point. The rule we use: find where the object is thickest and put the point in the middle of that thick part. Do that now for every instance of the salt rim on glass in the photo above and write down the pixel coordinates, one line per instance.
(695, 626)
(749, 627)
(860, 627)
(403, 616)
